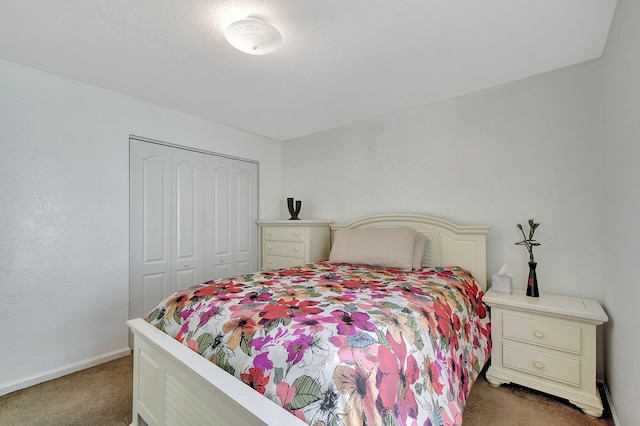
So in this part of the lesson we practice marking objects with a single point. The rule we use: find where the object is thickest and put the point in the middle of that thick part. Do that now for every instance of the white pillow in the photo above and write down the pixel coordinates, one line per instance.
(418, 250)
(385, 247)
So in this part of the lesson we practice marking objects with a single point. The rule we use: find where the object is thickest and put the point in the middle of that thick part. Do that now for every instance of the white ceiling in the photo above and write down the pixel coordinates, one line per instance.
(341, 61)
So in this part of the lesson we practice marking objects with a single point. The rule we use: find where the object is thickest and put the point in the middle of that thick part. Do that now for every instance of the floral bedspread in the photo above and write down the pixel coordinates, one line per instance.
(342, 344)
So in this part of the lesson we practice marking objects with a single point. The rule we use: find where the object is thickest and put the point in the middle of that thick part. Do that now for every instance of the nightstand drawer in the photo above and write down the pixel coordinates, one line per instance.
(283, 233)
(553, 367)
(282, 248)
(544, 333)
(281, 262)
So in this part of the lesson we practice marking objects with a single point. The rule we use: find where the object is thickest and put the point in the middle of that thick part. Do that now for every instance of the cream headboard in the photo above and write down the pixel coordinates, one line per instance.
(449, 244)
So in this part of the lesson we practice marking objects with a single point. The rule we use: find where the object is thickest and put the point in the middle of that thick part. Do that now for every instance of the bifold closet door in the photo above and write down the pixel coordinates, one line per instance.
(232, 214)
(188, 218)
(167, 223)
(246, 218)
(193, 217)
(150, 226)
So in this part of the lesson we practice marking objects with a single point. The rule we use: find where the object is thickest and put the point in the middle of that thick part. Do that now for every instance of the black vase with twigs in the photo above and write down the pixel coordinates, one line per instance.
(529, 242)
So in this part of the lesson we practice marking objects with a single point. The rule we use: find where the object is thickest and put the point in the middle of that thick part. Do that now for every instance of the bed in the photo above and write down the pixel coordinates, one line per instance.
(327, 343)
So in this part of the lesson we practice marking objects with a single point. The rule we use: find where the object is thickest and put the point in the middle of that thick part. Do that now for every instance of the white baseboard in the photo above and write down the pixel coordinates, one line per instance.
(26, 382)
(607, 395)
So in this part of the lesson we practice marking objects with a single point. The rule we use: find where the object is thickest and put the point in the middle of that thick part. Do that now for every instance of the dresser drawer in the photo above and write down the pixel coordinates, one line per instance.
(286, 243)
(284, 248)
(283, 233)
(553, 367)
(281, 262)
(542, 332)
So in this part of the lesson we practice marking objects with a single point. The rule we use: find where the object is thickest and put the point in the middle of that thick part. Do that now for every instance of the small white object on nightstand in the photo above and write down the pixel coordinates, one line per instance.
(502, 282)
(547, 343)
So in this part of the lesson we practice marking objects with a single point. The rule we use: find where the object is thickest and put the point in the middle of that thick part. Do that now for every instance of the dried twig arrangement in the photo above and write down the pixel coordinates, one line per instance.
(529, 242)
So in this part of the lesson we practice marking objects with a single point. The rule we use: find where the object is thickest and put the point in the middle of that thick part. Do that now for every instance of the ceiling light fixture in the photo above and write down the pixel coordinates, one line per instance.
(253, 36)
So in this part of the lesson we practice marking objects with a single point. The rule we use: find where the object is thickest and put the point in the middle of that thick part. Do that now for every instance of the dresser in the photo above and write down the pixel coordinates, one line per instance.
(547, 343)
(286, 243)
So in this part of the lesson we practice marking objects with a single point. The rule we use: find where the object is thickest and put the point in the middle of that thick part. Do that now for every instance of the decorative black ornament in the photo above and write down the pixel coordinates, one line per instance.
(294, 211)
(532, 282)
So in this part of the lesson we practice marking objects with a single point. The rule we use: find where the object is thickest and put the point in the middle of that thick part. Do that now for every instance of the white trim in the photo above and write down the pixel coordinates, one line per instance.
(607, 395)
(62, 371)
(189, 148)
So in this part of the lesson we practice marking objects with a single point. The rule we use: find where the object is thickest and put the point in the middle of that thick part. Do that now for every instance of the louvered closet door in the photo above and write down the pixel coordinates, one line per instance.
(231, 217)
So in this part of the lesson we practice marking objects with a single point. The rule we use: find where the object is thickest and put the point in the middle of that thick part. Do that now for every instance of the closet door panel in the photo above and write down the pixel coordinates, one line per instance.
(189, 205)
(232, 216)
(245, 243)
(150, 226)
(220, 251)
(186, 277)
(155, 287)
(186, 208)
(156, 189)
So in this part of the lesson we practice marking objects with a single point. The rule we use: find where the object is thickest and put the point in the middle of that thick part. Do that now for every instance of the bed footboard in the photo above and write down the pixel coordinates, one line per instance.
(174, 385)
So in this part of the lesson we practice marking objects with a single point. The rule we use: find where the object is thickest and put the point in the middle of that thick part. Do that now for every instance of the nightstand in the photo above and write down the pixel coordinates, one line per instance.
(547, 343)
(286, 243)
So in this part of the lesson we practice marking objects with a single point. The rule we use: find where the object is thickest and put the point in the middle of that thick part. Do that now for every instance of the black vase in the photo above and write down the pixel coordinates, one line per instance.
(532, 282)
(294, 211)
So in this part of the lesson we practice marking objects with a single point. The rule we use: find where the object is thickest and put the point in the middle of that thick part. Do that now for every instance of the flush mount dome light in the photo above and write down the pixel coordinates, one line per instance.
(253, 36)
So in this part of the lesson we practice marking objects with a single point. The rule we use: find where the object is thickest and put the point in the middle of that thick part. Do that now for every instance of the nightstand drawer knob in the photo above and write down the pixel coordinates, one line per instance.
(269, 233)
(295, 250)
(295, 234)
(538, 333)
(538, 363)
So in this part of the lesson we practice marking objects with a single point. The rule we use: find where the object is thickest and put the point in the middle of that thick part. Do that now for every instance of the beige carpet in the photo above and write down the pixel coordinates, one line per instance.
(511, 405)
(102, 396)
(97, 396)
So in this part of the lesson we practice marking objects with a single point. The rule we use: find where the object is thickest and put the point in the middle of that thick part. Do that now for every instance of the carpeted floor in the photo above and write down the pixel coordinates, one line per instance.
(98, 396)
(512, 405)
(101, 396)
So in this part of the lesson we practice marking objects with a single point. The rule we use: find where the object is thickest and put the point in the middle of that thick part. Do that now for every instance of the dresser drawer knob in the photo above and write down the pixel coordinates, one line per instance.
(295, 250)
(538, 333)
(538, 363)
(268, 233)
(295, 234)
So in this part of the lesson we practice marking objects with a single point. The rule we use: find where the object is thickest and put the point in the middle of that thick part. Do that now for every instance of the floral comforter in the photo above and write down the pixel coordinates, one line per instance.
(342, 344)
